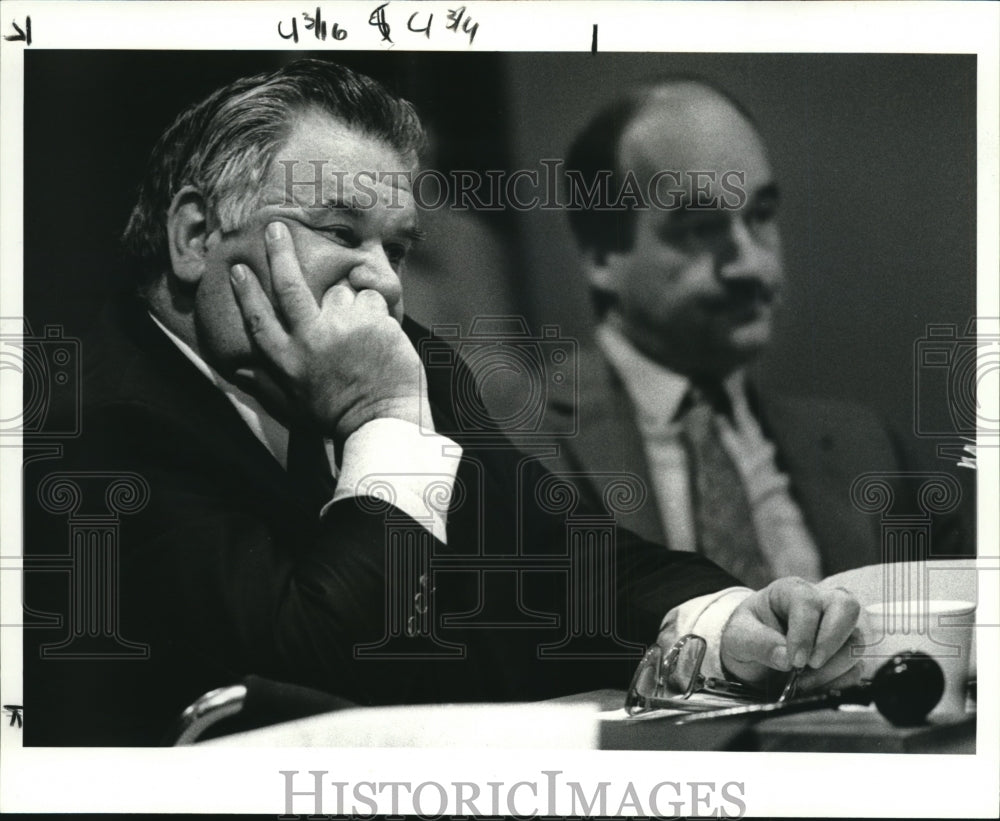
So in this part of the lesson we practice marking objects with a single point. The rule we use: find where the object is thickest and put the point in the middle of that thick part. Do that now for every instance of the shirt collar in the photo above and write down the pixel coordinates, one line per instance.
(656, 391)
(271, 433)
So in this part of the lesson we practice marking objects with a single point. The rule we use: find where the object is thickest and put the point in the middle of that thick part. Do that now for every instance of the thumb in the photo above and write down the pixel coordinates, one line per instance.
(749, 641)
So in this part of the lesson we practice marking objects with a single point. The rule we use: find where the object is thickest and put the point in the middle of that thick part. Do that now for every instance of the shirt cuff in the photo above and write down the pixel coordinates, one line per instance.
(404, 465)
(705, 616)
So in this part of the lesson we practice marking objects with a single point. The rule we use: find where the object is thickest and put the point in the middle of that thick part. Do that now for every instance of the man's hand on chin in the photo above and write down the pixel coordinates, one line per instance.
(341, 363)
(793, 624)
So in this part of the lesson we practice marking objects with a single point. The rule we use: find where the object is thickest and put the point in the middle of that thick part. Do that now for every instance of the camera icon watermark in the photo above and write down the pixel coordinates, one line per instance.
(963, 369)
(48, 367)
(501, 378)
(93, 504)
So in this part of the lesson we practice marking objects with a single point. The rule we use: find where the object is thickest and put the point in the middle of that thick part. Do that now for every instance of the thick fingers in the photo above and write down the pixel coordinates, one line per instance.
(841, 669)
(804, 611)
(840, 619)
(851, 678)
(791, 623)
(291, 294)
(339, 297)
(817, 621)
(750, 647)
(261, 323)
(343, 296)
(373, 301)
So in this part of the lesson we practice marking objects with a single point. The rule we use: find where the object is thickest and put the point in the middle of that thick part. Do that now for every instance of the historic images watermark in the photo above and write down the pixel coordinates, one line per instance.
(93, 502)
(526, 368)
(550, 187)
(314, 793)
(48, 366)
(955, 374)
(962, 366)
(911, 506)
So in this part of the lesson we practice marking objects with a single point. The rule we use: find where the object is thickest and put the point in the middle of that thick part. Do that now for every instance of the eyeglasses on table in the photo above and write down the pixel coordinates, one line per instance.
(672, 680)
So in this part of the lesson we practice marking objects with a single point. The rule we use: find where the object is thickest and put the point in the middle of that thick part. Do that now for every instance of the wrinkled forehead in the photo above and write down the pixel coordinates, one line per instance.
(325, 162)
(688, 128)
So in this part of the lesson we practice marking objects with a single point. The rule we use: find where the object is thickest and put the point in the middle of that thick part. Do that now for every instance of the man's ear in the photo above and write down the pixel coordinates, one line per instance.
(187, 234)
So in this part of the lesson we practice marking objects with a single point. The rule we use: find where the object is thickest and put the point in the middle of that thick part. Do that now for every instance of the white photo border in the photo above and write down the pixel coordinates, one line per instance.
(247, 780)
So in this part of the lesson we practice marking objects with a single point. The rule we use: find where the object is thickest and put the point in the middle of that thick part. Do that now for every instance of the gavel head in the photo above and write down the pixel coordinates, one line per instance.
(907, 687)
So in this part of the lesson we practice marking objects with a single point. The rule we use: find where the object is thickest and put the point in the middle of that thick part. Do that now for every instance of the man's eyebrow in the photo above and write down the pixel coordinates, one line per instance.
(688, 210)
(414, 234)
(771, 191)
(337, 204)
(411, 232)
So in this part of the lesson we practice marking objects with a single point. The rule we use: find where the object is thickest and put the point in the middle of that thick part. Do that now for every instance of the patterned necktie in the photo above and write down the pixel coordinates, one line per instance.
(309, 468)
(722, 517)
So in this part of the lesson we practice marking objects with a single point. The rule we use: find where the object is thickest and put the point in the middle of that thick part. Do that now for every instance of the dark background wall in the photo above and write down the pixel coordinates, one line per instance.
(875, 155)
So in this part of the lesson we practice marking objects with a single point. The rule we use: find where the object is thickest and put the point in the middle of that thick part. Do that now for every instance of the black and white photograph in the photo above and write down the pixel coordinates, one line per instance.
(500, 409)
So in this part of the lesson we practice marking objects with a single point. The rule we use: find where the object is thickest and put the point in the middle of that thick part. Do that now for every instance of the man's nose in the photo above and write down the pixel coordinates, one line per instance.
(743, 254)
(373, 270)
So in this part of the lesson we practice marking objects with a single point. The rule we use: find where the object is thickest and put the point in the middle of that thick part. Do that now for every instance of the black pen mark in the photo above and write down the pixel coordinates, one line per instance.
(593, 41)
(16, 712)
(426, 30)
(294, 35)
(22, 34)
(458, 17)
(377, 19)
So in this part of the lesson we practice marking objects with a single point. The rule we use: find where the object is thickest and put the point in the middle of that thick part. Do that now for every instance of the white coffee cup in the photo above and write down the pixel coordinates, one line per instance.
(940, 628)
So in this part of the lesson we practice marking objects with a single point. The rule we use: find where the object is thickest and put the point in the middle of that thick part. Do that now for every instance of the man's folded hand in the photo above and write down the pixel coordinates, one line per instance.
(793, 624)
(342, 361)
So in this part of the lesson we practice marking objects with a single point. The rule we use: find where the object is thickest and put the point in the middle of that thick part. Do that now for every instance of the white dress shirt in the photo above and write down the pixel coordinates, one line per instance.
(657, 393)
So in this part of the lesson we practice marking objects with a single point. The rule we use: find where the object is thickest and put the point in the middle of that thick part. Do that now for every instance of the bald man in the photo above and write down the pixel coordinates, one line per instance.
(685, 282)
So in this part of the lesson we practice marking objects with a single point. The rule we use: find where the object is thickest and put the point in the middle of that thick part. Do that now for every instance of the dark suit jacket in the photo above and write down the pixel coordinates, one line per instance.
(823, 446)
(222, 571)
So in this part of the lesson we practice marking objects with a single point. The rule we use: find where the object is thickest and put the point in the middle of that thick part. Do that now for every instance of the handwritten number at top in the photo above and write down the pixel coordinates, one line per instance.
(419, 22)
(314, 23)
(458, 16)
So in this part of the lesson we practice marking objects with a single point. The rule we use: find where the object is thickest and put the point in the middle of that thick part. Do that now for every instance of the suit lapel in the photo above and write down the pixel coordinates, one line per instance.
(607, 439)
(816, 447)
(154, 374)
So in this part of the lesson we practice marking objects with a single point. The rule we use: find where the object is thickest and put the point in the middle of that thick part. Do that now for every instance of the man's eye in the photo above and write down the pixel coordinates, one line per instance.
(763, 211)
(343, 234)
(395, 253)
(702, 229)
